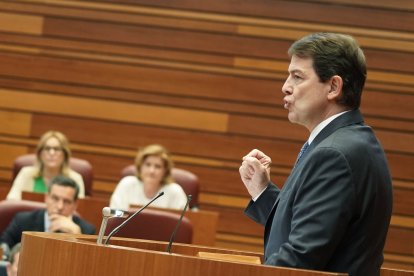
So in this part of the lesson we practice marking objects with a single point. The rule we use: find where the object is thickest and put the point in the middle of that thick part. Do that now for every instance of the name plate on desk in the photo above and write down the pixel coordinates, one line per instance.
(230, 257)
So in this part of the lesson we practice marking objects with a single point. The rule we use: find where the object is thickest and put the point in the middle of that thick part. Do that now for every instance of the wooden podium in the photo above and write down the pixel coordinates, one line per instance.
(67, 255)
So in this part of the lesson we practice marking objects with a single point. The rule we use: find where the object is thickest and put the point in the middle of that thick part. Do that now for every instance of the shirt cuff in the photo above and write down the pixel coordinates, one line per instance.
(257, 197)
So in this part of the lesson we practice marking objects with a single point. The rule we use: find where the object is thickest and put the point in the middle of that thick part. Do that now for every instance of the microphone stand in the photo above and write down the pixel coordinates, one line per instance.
(178, 224)
(108, 213)
(113, 232)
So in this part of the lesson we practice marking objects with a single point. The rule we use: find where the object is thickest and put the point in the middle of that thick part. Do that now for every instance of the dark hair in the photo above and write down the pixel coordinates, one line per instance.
(65, 181)
(335, 54)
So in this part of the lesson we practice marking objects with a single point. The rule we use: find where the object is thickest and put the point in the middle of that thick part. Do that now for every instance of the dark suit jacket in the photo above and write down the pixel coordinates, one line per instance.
(333, 211)
(35, 221)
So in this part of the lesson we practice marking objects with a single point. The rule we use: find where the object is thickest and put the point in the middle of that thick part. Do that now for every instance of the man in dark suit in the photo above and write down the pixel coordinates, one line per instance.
(61, 201)
(334, 209)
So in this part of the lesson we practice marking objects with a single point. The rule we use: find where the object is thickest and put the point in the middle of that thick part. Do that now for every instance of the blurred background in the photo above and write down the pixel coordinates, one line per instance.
(202, 78)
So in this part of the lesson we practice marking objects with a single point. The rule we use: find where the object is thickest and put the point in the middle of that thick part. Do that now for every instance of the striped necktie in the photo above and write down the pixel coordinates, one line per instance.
(302, 151)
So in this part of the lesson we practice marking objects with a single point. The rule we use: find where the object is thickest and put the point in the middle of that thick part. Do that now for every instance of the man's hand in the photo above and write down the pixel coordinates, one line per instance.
(255, 172)
(59, 223)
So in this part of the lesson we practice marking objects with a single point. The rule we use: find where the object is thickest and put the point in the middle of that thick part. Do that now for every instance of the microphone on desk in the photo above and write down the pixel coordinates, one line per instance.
(178, 224)
(113, 232)
(108, 213)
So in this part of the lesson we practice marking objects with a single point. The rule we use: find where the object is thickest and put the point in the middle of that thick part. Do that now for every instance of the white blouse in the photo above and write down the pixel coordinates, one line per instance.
(130, 191)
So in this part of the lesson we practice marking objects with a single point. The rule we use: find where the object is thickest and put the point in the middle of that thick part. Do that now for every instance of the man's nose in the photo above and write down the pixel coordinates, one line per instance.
(60, 205)
(287, 87)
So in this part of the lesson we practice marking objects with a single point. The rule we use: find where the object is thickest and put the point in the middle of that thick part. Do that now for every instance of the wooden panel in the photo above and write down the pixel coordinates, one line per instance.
(116, 49)
(15, 123)
(124, 14)
(144, 97)
(119, 111)
(233, 221)
(315, 12)
(9, 153)
(388, 104)
(373, 105)
(223, 200)
(27, 24)
(383, 43)
(396, 4)
(403, 200)
(391, 124)
(178, 39)
(400, 240)
(226, 147)
(389, 60)
(398, 142)
(400, 165)
(130, 77)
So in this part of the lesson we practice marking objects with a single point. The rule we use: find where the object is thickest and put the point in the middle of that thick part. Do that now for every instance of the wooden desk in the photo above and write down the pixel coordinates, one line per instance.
(140, 257)
(90, 208)
(80, 255)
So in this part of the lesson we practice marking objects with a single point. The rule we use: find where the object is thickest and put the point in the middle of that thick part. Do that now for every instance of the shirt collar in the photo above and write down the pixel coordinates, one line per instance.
(47, 222)
(322, 125)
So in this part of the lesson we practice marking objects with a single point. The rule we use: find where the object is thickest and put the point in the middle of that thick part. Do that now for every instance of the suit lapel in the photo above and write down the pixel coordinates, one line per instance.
(350, 118)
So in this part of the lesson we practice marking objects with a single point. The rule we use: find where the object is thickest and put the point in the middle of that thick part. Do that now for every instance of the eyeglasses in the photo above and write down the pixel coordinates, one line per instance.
(49, 149)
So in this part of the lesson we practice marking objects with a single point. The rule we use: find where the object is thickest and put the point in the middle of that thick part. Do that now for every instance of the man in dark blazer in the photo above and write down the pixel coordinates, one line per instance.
(58, 216)
(334, 209)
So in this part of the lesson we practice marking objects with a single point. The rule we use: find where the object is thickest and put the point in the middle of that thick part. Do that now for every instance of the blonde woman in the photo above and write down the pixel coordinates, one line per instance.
(52, 159)
(153, 165)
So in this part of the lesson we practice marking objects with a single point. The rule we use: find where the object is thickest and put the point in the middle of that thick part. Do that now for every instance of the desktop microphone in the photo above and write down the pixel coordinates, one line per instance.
(108, 213)
(178, 224)
(113, 232)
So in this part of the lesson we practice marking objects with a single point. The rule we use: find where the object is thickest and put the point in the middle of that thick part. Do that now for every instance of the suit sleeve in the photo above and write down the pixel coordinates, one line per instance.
(322, 209)
(13, 233)
(86, 227)
(260, 209)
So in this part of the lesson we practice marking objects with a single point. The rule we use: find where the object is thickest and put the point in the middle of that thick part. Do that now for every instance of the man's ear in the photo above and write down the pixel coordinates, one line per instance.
(336, 87)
